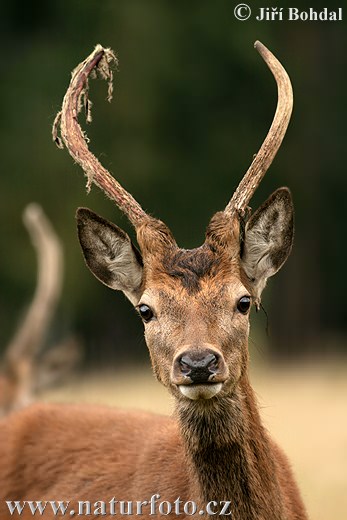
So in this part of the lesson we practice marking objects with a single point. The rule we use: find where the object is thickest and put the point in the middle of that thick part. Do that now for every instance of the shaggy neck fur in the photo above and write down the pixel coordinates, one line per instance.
(231, 455)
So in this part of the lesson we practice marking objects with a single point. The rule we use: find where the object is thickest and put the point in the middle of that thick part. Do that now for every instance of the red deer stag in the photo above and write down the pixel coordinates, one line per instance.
(26, 367)
(195, 308)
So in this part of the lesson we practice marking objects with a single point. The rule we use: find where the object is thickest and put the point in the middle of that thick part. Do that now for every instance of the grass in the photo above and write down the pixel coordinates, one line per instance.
(304, 408)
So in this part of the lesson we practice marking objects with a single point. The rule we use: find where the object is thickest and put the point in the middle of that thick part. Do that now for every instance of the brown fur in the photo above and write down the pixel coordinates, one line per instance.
(104, 453)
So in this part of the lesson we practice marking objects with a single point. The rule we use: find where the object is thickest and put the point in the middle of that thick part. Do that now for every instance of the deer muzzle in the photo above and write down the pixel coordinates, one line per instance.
(199, 373)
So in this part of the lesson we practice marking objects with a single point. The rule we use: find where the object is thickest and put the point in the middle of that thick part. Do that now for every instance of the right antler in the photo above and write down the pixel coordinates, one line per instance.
(99, 61)
(266, 154)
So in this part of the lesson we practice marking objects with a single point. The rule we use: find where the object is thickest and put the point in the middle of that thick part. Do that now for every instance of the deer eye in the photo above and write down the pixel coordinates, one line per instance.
(244, 304)
(146, 313)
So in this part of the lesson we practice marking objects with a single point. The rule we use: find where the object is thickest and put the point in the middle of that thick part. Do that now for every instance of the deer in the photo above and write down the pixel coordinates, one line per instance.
(28, 368)
(195, 306)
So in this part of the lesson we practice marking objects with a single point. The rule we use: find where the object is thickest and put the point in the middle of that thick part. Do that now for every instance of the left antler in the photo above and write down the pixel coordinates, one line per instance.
(269, 148)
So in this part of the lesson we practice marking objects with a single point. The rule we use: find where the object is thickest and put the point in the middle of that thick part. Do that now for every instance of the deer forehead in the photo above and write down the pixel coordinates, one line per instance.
(193, 271)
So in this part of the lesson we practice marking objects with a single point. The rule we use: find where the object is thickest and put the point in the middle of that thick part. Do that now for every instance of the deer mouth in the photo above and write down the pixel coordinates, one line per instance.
(200, 390)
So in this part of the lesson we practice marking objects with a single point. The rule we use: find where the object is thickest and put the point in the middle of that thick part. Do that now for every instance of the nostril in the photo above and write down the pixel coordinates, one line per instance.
(185, 365)
(212, 363)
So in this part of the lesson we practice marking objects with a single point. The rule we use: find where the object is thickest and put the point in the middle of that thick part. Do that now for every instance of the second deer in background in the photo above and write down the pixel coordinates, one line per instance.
(26, 367)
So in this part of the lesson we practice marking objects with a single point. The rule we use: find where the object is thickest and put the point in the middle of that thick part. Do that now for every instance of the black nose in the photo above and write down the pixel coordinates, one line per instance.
(199, 366)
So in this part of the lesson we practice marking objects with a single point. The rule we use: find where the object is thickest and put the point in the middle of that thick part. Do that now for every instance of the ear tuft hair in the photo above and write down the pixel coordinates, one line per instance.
(268, 240)
(109, 253)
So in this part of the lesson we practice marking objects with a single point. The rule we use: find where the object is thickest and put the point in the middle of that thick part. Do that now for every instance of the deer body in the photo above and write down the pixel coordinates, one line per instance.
(122, 452)
(195, 308)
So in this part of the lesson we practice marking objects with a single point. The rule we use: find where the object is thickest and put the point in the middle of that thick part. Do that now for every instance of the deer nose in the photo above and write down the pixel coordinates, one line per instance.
(198, 366)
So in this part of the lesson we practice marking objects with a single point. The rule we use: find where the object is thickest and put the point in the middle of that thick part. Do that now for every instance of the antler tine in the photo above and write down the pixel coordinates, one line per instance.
(75, 140)
(273, 140)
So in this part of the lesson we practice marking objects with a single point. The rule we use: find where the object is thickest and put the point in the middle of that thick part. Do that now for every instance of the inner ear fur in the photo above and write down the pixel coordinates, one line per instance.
(109, 253)
(268, 240)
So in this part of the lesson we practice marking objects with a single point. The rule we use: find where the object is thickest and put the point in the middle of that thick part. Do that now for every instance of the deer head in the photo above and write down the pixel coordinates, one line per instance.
(194, 303)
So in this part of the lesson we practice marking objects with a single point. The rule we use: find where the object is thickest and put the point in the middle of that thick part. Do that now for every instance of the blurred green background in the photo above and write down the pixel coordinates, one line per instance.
(193, 102)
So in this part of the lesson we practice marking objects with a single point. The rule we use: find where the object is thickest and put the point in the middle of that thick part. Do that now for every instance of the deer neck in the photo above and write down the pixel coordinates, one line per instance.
(230, 454)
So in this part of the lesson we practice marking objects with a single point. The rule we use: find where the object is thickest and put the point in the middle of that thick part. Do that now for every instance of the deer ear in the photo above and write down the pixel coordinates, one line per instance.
(110, 254)
(268, 240)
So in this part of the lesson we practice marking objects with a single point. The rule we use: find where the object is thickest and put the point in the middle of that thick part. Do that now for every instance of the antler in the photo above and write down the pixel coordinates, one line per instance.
(99, 61)
(28, 340)
(273, 140)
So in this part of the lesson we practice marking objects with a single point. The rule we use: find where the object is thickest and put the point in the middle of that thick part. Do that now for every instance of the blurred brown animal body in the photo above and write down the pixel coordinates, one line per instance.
(195, 308)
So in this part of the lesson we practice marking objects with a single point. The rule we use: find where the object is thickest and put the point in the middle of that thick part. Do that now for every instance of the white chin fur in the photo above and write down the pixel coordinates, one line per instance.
(200, 391)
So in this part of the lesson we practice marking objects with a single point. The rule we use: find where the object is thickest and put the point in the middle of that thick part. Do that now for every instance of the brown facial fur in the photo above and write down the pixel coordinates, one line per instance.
(194, 295)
